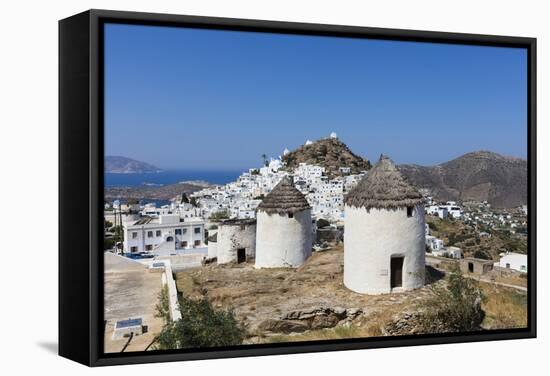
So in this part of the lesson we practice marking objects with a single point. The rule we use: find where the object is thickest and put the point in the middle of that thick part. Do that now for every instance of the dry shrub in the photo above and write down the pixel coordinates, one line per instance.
(505, 308)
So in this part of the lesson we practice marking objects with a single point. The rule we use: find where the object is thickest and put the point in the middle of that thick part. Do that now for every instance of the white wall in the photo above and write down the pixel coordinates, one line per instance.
(282, 241)
(212, 249)
(232, 237)
(29, 81)
(142, 240)
(372, 238)
(514, 261)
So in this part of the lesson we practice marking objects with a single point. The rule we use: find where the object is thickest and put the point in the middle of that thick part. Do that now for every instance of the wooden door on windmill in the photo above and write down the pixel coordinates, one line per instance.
(396, 272)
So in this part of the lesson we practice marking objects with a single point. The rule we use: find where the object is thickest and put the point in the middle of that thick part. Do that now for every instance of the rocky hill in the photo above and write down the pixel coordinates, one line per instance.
(479, 176)
(330, 153)
(123, 165)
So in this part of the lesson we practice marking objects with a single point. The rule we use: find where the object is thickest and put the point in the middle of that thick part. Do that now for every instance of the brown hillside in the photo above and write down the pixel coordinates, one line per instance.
(477, 176)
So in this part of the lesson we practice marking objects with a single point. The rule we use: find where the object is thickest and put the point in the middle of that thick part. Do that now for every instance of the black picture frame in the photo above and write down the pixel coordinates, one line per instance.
(81, 185)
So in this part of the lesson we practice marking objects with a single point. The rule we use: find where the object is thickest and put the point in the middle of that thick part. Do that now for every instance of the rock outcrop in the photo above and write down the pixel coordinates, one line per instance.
(330, 153)
(310, 319)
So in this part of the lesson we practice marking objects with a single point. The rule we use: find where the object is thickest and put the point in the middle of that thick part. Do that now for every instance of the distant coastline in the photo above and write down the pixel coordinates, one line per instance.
(169, 177)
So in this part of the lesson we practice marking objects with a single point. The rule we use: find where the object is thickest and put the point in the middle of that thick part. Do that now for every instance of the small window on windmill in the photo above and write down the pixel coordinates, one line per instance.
(409, 211)
(290, 215)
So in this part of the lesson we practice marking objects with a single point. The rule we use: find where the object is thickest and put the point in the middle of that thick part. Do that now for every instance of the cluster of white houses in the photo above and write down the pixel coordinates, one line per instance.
(450, 208)
(483, 215)
(241, 198)
(437, 248)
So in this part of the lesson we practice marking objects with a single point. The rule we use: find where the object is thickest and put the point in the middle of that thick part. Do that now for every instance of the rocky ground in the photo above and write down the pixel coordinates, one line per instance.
(304, 304)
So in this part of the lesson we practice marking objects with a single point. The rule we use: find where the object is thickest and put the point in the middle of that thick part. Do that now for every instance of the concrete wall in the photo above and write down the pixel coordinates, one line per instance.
(480, 266)
(372, 238)
(330, 235)
(168, 278)
(231, 238)
(212, 249)
(282, 241)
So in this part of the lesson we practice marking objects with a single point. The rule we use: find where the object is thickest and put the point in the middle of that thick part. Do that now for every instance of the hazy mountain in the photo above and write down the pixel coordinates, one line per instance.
(330, 153)
(123, 165)
(479, 176)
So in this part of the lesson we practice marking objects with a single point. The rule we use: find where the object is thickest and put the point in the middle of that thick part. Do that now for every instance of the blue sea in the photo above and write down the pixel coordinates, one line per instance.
(169, 177)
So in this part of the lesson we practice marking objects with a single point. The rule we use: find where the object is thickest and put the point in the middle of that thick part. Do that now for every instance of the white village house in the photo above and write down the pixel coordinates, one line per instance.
(384, 237)
(165, 235)
(512, 260)
(434, 243)
(451, 252)
(241, 198)
(284, 229)
(439, 211)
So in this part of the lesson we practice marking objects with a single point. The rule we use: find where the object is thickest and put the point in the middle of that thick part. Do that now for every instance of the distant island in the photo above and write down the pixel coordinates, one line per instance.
(123, 165)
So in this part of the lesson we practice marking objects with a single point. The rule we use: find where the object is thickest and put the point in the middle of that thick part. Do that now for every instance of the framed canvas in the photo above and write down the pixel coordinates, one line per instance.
(234, 187)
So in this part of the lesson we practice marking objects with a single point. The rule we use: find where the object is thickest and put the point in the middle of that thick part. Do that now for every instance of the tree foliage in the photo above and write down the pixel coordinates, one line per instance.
(455, 307)
(321, 223)
(219, 215)
(482, 254)
(108, 243)
(163, 305)
(200, 326)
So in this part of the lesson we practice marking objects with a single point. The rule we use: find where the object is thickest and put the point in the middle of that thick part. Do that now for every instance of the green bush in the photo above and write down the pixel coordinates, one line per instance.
(219, 215)
(200, 326)
(108, 243)
(163, 306)
(455, 307)
(321, 222)
(481, 254)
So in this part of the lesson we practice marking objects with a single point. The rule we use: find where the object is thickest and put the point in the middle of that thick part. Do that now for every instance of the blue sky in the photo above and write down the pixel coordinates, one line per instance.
(206, 99)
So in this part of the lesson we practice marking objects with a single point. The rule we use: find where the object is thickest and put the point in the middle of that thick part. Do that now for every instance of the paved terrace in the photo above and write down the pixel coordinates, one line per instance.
(131, 291)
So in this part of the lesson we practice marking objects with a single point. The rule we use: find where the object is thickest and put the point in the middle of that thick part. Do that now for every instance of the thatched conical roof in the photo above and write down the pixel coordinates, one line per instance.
(284, 198)
(384, 187)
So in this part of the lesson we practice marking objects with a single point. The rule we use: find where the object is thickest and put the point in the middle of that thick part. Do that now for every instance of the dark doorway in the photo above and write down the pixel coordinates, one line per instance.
(241, 255)
(396, 276)
(471, 267)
